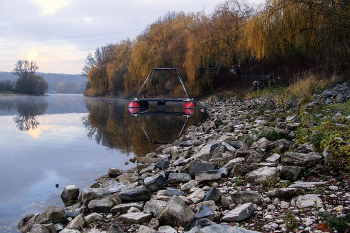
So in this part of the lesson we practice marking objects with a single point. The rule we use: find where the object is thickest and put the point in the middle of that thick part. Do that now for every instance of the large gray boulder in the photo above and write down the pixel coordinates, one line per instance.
(27, 223)
(301, 159)
(285, 193)
(53, 214)
(154, 207)
(262, 174)
(204, 212)
(102, 205)
(142, 194)
(70, 192)
(242, 212)
(135, 218)
(89, 194)
(176, 213)
(123, 208)
(208, 175)
(246, 196)
(213, 194)
(200, 166)
(77, 223)
(179, 177)
(155, 183)
(291, 172)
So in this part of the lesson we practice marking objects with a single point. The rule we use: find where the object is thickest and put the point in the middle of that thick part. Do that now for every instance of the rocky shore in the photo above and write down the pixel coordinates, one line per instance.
(221, 176)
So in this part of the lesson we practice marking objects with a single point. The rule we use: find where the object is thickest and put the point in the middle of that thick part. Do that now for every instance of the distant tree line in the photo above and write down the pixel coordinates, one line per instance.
(212, 51)
(70, 88)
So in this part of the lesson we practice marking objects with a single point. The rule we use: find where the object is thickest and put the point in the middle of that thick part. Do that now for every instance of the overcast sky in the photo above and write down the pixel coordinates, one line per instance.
(59, 34)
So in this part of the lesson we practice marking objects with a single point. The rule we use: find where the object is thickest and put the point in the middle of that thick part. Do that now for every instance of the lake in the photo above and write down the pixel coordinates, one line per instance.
(71, 139)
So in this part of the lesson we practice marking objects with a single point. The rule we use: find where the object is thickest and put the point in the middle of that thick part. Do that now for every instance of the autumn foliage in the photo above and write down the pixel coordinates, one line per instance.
(213, 51)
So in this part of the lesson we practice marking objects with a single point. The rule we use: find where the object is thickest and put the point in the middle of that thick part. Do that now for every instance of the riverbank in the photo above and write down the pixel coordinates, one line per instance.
(256, 165)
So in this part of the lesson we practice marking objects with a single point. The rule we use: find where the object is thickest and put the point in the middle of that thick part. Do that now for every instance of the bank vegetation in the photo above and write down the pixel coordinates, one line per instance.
(214, 51)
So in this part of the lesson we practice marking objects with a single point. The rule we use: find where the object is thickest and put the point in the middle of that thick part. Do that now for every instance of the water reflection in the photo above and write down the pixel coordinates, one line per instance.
(27, 110)
(162, 126)
(113, 126)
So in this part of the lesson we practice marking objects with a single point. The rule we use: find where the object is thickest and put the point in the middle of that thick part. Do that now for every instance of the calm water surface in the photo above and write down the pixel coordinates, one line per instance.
(70, 139)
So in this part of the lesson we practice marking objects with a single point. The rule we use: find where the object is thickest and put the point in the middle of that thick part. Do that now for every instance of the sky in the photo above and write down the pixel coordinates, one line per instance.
(59, 34)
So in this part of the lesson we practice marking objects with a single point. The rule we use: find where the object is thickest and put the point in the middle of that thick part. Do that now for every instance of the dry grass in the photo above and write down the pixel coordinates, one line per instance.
(303, 88)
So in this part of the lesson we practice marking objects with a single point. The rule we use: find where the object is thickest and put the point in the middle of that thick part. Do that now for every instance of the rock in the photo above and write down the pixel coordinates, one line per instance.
(167, 229)
(291, 172)
(154, 223)
(27, 223)
(242, 212)
(89, 194)
(301, 184)
(155, 183)
(176, 213)
(114, 198)
(262, 174)
(301, 159)
(240, 169)
(38, 228)
(123, 208)
(114, 172)
(179, 177)
(308, 200)
(213, 194)
(232, 162)
(53, 214)
(170, 192)
(154, 207)
(77, 223)
(197, 196)
(204, 212)
(189, 185)
(115, 187)
(254, 157)
(114, 229)
(133, 210)
(246, 196)
(210, 204)
(70, 231)
(243, 151)
(285, 193)
(208, 175)
(144, 229)
(274, 158)
(103, 205)
(200, 166)
(128, 178)
(93, 217)
(70, 192)
(164, 164)
(142, 194)
(135, 218)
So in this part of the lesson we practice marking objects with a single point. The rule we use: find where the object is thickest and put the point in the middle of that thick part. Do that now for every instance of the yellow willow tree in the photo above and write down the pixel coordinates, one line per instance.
(216, 42)
(98, 80)
(151, 49)
(117, 68)
(317, 29)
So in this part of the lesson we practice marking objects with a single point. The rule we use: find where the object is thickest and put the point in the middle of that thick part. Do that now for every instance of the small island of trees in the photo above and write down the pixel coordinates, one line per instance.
(28, 82)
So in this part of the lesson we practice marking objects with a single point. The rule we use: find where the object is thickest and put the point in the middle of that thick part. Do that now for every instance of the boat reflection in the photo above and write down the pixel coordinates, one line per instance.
(162, 126)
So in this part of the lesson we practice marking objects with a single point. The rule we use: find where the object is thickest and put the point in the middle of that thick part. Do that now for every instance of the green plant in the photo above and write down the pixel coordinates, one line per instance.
(340, 223)
(291, 221)
(249, 141)
(238, 181)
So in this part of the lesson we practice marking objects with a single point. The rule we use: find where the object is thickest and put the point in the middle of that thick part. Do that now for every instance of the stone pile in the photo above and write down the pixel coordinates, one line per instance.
(211, 180)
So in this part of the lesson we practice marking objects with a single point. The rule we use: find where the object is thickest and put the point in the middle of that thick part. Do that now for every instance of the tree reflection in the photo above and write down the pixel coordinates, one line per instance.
(28, 111)
(110, 123)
